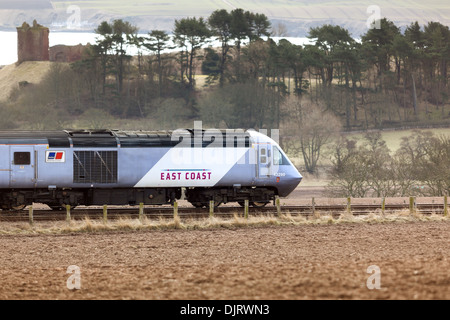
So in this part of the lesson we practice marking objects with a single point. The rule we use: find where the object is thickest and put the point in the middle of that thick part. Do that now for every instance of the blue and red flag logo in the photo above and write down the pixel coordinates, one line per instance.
(55, 156)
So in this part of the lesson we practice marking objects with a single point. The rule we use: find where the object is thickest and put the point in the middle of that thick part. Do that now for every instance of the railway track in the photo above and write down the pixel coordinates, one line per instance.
(115, 213)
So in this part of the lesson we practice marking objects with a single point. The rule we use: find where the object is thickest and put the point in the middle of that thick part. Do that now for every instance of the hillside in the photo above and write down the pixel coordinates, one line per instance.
(11, 75)
(297, 16)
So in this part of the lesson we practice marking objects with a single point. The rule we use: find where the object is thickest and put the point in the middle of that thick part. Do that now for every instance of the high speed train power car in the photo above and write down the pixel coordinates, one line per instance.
(96, 167)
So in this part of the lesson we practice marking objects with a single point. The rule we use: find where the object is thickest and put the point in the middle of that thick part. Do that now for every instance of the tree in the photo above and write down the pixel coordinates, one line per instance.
(437, 57)
(112, 45)
(429, 155)
(101, 49)
(314, 128)
(157, 42)
(220, 24)
(331, 40)
(377, 43)
(259, 25)
(239, 27)
(123, 33)
(211, 63)
(348, 177)
(190, 34)
(241, 105)
(292, 57)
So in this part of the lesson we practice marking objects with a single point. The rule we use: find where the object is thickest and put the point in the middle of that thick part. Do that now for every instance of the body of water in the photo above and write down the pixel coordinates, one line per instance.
(8, 52)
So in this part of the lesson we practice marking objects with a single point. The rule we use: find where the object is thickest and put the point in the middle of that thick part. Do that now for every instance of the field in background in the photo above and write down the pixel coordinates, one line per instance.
(393, 138)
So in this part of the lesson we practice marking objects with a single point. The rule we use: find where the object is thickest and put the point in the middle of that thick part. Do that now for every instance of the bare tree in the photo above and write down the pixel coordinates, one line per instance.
(348, 173)
(314, 129)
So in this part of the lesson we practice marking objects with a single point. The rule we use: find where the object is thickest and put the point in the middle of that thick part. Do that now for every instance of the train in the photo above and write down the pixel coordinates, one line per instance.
(120, 167)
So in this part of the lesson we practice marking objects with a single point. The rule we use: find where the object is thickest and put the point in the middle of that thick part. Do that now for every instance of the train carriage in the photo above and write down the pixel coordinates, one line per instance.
(96, 167)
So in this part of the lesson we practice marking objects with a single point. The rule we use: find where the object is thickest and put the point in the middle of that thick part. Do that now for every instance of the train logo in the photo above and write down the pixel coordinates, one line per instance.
(55, 156)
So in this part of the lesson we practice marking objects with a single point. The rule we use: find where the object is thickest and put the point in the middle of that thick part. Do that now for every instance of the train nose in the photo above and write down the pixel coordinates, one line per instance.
(296, 177)
(290, 182)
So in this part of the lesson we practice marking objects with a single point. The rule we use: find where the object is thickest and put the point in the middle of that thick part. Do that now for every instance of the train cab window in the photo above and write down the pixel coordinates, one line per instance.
(278, 158)
(22, 158)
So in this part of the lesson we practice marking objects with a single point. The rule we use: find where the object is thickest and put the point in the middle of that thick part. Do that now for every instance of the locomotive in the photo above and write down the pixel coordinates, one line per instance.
(117, 167)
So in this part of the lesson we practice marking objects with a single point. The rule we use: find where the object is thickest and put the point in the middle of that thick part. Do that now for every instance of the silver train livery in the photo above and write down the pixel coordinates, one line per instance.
(96, 167)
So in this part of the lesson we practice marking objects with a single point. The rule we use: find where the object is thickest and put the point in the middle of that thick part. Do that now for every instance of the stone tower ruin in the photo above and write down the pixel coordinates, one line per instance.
(32, 43)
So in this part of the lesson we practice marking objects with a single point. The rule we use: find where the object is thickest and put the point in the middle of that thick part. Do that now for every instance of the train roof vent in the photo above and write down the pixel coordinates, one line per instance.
(83, 133)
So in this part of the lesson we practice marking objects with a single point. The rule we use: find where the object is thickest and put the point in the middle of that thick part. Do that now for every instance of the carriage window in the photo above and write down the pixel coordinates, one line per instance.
(22, 158)
(278, 158)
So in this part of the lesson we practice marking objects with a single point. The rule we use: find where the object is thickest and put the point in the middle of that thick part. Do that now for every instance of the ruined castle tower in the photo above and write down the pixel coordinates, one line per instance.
(32, 43)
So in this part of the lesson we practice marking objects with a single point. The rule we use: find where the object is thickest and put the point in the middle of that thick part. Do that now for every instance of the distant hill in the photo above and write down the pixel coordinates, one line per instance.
(295, 16)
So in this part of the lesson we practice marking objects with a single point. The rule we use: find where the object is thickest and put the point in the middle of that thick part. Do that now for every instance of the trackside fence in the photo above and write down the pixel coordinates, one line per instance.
(348, 208)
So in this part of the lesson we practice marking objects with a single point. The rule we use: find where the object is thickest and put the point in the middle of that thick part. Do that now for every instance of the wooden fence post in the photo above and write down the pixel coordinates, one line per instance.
(383, 206)
(313, 207)
(175, 209)
(141, 212)
(412, 205)
(105, 213)
(211, 208)
(246, 209)
(445, 206)
(30, 215)
(68, 213)
(277, 202)
(349, 206)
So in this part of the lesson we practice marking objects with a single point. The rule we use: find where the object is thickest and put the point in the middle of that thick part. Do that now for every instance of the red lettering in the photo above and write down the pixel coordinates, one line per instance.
(188, 176)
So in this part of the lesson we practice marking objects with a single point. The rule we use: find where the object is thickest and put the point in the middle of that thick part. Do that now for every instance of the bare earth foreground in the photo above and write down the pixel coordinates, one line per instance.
(274, 262)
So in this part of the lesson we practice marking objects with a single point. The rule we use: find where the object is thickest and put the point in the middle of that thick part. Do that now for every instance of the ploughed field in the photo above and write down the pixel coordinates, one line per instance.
(310, 261)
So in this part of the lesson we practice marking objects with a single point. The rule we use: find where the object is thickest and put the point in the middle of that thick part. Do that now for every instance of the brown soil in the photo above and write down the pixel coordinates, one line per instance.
(309, 261)
(289, 262)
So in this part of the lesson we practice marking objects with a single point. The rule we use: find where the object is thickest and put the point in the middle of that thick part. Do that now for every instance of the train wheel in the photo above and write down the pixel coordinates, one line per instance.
(257, 204)
(216, 204)
(19, 207)
(198, 204)
(59, 207)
